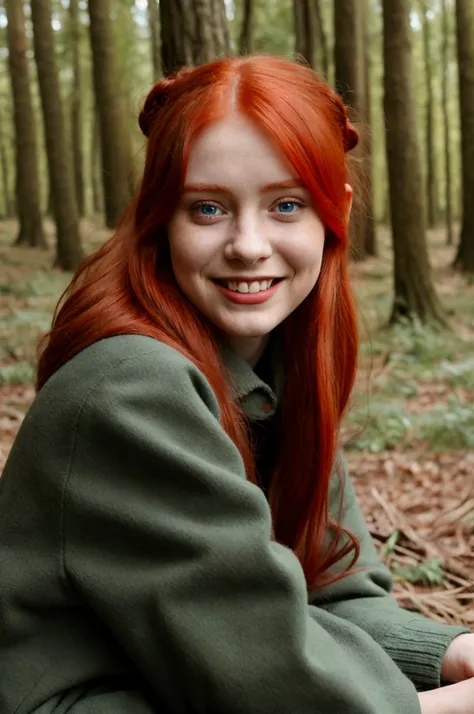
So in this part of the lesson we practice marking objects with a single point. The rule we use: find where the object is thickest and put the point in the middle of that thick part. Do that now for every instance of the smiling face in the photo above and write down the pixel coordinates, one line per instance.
(244, 219)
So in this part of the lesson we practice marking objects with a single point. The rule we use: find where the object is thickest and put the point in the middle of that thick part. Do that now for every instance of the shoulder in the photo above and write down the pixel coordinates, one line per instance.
(127, 362)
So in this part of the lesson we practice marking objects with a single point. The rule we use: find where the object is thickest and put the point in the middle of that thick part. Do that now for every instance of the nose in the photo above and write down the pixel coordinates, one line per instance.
(248, 242)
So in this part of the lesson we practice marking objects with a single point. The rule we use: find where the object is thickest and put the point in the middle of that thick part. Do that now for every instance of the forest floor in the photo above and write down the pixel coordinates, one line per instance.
(409, 435)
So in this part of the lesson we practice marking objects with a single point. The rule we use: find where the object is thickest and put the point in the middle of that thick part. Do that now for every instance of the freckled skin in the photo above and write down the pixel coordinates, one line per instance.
(243, 232)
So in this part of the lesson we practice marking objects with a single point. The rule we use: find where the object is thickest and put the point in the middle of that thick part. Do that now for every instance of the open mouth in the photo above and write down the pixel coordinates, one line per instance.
(248, 287)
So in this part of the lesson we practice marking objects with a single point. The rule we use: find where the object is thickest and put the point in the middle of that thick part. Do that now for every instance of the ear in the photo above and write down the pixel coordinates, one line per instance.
(349, 197)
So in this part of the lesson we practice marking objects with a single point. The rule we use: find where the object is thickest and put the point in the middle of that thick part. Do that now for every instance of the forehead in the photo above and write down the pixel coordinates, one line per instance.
(234, 150)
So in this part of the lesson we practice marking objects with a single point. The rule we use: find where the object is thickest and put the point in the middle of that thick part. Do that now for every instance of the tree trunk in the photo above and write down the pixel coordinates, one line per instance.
(446, 127)
(303, 22)
(245, 41)
(415, 296)
(349, 80)
(4, 168)
(116, 168)
(28, 202)
(431, 184)
(154, 26)
(192, 32)
(370, 238)
(77, 121)
(68, 243)
(96, 167)
(220, 28)
(177, 35)
(465, 44)
(322, 52)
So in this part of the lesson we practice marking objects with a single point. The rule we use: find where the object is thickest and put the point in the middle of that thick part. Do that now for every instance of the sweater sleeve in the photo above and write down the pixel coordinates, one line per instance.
(170, 545)
(416, 643)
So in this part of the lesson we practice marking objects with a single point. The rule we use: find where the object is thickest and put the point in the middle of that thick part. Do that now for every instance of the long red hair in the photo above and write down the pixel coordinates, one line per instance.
(128, 286)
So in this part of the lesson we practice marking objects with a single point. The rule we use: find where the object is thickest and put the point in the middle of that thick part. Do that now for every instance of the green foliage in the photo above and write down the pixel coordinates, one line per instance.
(389, 545)
(449, 426)
(37, 285)
(382, 425)
(17, 373)
(427, 573)
(416, 359)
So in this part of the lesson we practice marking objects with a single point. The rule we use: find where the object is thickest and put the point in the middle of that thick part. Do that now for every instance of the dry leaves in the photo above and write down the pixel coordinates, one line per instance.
(429, 500)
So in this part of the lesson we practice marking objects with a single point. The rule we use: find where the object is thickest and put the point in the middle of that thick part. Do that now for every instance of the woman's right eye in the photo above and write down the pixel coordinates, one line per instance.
(206, 210)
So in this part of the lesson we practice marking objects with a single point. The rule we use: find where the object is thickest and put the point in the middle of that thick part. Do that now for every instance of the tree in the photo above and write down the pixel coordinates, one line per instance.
(304, 30)
(5, 173)
(192, 32)
(350, 76)
(370, 242)
(96, 177)
(28, 201)
(154, 26)
(114, 141)
(446, 126)
(465, 47)
(77, 119)
(322, 43)
(68, 245)
(245, 39)
(415, 296)
(431, 185)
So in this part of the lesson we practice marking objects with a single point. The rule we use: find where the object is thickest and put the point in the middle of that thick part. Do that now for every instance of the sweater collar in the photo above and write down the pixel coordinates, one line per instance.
(258, 398)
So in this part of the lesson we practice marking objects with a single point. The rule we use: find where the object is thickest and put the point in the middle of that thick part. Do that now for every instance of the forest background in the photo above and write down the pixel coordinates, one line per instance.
(73, 76)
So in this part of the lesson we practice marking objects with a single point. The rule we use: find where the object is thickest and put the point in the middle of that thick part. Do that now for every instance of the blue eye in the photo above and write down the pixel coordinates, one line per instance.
(288, 207)
(207, 210)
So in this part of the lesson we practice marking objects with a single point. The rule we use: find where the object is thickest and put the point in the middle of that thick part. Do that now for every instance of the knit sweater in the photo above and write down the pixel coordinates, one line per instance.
(138, 574)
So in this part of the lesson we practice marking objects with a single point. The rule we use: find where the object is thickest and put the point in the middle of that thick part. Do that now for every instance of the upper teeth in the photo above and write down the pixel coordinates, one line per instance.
(254, 287)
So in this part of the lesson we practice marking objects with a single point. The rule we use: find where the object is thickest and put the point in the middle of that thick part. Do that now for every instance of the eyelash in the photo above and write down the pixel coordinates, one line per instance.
(194, 209)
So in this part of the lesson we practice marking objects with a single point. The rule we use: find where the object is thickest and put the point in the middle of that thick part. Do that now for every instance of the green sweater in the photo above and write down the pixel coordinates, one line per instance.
(137, 571)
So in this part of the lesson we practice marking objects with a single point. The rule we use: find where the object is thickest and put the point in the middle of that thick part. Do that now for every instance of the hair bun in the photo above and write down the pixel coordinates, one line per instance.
(157, 98)
(351, 136)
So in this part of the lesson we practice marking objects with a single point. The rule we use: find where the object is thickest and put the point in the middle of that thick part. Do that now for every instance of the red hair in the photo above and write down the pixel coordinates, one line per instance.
(128, 286)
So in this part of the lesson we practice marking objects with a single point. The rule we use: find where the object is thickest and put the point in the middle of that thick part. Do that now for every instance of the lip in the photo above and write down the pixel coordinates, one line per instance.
(249, 298)
(249, 279)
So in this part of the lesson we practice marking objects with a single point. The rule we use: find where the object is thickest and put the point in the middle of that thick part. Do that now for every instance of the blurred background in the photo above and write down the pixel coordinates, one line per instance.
(73, 76)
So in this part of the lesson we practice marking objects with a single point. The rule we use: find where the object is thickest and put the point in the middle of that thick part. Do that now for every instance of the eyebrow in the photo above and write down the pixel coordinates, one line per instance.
(216, 188)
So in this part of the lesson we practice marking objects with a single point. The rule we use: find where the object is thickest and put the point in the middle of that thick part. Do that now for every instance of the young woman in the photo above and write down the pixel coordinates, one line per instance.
(178, 532)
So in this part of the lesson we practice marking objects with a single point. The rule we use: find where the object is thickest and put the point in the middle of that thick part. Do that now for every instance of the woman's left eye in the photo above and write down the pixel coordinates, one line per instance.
(288, 207)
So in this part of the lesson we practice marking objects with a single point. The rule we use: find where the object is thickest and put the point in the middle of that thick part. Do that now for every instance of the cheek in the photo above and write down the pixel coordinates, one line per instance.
(306, 253)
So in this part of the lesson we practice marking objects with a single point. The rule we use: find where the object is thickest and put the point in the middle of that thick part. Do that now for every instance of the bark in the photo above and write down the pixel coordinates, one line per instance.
(431, 184)
(350, 83)
(4, 168)
(96, 168)
(304, 30)
(219, 28)
(465, 46)
(322, 45)
(370, 238)
(245, 40)
(446, 128)
(28, 202)
(177, 35)
(68, 243)
(347, 52)
(415, 296)
(116, 167)
(77, 121)
(154, 26)
(192, 32)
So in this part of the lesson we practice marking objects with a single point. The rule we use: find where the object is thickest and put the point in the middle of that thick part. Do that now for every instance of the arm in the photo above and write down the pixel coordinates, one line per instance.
(171, 546)
(414, 642)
